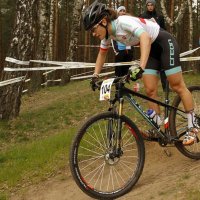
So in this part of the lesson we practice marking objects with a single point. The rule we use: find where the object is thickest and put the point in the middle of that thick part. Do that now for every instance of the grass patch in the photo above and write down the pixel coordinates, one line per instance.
(193, 194)
(3, 196)
(28, 161)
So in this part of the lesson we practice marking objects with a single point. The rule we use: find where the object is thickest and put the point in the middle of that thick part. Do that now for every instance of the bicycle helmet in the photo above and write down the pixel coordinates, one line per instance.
(94, 14)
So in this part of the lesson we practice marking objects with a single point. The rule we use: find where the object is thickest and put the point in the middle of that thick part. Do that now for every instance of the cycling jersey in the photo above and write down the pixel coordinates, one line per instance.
(127, 29)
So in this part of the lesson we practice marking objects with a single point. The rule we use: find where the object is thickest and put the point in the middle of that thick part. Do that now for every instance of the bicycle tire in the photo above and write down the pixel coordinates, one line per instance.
(84, 168)
(178, 124)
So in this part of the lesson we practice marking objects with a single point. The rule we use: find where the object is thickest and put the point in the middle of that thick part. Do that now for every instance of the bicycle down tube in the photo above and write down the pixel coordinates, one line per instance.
(129, 93)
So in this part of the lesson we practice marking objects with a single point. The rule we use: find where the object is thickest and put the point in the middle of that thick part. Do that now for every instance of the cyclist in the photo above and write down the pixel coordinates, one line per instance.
(158, 48)
(122, 52)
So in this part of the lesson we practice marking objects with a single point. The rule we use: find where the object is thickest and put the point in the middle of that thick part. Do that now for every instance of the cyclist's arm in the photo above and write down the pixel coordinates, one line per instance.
(140, 33)
(100, 60)
(145, 47)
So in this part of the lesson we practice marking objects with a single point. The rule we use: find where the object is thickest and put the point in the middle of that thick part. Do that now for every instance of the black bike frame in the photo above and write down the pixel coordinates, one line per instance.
(123, 91)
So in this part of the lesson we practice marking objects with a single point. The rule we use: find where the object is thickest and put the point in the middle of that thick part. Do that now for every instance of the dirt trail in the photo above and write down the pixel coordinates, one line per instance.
(168, 178)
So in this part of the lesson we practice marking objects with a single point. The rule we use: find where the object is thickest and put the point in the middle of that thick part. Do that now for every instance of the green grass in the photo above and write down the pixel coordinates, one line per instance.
(34, 159)
(36, 144)
(193, 194)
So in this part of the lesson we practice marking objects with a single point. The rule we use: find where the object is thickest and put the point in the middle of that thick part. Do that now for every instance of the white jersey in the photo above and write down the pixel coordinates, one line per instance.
(127, 29)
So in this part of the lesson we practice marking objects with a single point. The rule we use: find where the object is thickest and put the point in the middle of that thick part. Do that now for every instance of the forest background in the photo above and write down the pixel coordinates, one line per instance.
(52, 30)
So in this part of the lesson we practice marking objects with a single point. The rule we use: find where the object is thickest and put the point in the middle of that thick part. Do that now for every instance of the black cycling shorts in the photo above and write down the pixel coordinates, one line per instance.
(164, 55)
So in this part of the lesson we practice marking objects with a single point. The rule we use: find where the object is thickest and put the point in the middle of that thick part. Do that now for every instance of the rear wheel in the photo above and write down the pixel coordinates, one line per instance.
(178, 124)
(99, 167)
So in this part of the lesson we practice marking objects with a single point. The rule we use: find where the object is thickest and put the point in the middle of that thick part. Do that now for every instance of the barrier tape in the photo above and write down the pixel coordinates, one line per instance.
(67, 65)
(11, 81)
(189, 52)
(18, 62)
(75, 65)
(72, 65)
(190, 59)
(90, 76)
(98, 46)
(79, 65)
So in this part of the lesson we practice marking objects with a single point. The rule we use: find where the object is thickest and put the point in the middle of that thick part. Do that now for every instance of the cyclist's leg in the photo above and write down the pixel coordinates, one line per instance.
(150, 80)
(151, 75)
(177, 84)
(170, 62)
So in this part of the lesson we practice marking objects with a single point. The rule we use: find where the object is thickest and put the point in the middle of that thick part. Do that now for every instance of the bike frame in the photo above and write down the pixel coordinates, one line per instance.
(122, 91)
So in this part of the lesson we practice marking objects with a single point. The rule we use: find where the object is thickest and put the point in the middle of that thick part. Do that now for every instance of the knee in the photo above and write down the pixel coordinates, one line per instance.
(151, 92)
(179, 88)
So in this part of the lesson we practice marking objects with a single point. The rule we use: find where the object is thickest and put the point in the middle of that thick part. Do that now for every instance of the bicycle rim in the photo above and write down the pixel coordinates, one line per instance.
(179, 124)
(95, 171)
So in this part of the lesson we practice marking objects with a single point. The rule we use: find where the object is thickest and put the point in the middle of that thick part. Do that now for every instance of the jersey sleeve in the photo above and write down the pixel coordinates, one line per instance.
(105, 44)
(133, 26)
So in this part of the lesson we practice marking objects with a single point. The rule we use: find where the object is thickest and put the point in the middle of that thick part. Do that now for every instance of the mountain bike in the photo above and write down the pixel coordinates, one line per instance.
(108, 153)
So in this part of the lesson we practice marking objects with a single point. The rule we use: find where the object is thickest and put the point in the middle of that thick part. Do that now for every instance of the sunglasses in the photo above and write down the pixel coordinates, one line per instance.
(93, 29)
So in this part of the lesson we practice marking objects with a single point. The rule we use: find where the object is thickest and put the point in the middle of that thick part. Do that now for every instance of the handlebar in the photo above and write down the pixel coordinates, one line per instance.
(122, 79)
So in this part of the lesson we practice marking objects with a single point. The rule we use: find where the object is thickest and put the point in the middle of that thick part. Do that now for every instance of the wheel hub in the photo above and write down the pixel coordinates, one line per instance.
(111, 160)
(112, 157)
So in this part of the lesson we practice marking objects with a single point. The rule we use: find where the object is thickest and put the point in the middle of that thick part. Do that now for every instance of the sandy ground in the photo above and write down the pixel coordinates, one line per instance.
(164, 177)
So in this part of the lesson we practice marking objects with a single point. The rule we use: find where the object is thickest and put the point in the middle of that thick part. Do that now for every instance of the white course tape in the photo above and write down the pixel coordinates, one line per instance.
(48, 72)
(11, 81)
(8, 69)
(190, 58)
(60, 63)
(19, 62)
(189, 52)
(70, 65)
(90, 76)
(75, 65)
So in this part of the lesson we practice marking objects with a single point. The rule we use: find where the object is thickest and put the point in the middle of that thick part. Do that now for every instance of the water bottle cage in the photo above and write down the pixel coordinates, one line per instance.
(154, 118)
(153, 122)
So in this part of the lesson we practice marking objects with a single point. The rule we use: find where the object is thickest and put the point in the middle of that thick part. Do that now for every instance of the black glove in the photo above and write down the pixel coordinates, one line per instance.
(93, 81)
(135, 72)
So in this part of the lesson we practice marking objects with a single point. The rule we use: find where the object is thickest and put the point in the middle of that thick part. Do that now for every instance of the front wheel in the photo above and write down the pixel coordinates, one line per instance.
(178, 124)
(102, 166)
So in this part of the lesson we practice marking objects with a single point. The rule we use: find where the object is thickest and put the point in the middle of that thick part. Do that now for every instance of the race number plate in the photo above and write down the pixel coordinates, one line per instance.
(105, 90)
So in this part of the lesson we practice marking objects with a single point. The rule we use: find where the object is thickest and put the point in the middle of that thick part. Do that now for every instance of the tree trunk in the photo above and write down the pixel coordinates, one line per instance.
(172, 15)
(171, 22)
(21, 48)
(42, 43)
(190, 25)
(52, 38)
(1, 47)
(75, 30)
(51, 30)
(56, 31)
